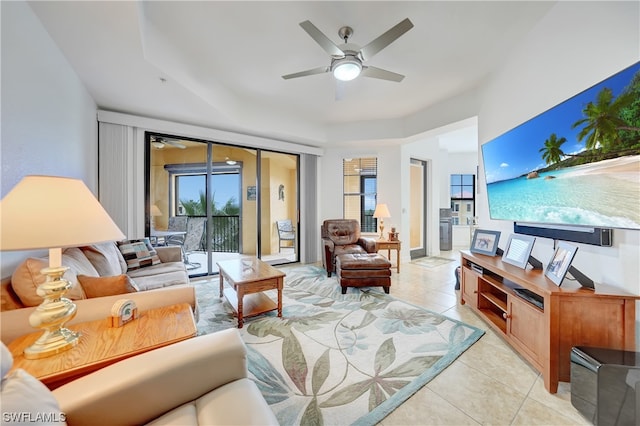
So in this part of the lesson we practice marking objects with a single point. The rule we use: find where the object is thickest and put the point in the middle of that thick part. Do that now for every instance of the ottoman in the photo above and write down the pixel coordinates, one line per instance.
(363, 270)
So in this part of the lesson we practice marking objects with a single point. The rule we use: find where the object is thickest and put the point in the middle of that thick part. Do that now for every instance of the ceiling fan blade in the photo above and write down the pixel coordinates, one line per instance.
(322, 39)
(340, 89)
(385, 39)
(173, 143)
(374, 72)
(313, 71)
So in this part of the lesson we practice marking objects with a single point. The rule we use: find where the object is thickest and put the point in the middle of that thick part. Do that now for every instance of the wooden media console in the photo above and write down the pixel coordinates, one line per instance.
(546, 327)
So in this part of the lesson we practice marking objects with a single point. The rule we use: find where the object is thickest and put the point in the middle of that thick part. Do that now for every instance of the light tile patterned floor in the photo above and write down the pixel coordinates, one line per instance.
(490, 383)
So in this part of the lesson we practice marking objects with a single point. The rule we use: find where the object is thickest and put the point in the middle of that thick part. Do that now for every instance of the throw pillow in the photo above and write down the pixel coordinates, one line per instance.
(24, 398)
(27, 277)
(106, 286)
(106, 258)
(138, 253)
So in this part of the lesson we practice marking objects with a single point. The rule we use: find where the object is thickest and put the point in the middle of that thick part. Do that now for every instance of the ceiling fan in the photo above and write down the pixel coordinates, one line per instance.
(347, 59)
(160, 143)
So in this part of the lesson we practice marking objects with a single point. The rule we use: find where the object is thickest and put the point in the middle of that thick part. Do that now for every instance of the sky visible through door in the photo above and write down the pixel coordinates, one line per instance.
(225, 188)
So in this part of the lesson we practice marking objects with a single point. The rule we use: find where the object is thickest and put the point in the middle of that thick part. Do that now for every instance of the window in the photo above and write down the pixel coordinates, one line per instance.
(463, 202)
(360, 191)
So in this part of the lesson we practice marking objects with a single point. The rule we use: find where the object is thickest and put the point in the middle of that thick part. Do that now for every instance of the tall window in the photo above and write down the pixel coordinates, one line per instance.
(463, 201)
(360, 191)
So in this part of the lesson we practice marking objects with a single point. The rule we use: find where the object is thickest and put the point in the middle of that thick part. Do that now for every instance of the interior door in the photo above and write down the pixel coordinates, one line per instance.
(417, 208)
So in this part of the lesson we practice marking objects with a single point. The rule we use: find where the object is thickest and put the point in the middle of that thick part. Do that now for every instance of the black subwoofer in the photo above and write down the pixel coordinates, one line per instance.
(605, 385)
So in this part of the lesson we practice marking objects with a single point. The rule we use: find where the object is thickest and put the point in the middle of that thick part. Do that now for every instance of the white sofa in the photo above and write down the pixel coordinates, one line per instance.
(163, 284)
(203, 380)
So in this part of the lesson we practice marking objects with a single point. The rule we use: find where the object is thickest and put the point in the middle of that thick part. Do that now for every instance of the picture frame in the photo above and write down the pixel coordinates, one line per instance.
(485, 242)
(518, 250)
(560, 262)
(251, 193)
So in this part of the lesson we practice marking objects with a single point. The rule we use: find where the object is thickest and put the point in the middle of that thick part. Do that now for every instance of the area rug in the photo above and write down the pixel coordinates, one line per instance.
(432, 261)
(338, 359)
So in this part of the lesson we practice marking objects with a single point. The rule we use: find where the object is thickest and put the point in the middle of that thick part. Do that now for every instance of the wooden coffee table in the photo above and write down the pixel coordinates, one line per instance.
(248, 278)
(101, 345)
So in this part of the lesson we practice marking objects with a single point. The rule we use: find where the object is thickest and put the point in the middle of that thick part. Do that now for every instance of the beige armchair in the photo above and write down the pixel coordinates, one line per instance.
(197, 381)
(342, 236)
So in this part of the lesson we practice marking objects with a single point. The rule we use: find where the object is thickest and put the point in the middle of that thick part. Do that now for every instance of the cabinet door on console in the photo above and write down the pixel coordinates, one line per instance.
(526, 329)
(470, 287)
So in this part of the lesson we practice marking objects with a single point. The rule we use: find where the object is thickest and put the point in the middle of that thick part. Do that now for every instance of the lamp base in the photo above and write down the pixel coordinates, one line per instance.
(51, 316)
(52, 343)
(381, 231)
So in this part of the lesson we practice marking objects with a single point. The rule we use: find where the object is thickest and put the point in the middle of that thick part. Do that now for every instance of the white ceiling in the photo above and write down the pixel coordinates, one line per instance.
(219, 64)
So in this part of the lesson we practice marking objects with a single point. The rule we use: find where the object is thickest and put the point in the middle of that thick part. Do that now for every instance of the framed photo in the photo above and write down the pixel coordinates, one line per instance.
(251, 193)
(485, 242)
(518, 250)
(560, 262)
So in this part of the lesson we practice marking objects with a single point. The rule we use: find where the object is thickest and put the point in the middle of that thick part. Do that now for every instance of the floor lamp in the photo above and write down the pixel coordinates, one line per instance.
(48, 212)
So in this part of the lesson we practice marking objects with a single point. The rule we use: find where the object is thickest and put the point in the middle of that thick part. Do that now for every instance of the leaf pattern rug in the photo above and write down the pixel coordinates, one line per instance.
(337, 359)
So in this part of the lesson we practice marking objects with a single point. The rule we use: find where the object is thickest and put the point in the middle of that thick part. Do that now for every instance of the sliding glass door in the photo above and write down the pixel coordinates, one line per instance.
(278, 207)
(219, 201)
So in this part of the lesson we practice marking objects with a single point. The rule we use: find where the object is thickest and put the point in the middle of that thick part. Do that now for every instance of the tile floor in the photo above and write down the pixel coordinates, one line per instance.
(489, 383)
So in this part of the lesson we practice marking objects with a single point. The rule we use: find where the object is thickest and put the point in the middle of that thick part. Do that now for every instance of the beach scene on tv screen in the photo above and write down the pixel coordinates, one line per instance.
(578, 163)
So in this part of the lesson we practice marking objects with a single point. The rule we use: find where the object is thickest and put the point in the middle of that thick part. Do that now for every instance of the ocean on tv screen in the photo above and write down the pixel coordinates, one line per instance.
(603, 194)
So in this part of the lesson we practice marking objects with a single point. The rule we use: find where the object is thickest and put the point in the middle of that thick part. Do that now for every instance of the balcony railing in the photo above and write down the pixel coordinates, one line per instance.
(225, 234)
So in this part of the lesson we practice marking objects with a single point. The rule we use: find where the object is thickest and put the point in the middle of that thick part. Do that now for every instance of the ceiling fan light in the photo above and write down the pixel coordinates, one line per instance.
(230, 162)
(157, 144)
(347, 69)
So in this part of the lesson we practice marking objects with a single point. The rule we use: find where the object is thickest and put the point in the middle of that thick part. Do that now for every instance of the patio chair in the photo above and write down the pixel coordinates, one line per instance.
(179, 224)
(193, 239)
(286, 234)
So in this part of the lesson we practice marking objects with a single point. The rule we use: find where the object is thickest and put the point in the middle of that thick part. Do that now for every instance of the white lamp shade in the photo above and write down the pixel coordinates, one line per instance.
(381, 211)
(43, 212)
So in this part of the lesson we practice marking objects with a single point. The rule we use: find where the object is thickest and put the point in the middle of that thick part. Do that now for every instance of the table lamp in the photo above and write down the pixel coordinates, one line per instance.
(381, 212)
(155, 212)
(53, 212)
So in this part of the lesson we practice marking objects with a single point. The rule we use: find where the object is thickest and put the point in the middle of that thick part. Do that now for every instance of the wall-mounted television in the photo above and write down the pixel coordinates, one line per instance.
(576, 164)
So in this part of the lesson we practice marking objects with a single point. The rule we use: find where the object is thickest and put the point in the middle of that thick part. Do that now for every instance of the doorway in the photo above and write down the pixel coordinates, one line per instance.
(417, 208)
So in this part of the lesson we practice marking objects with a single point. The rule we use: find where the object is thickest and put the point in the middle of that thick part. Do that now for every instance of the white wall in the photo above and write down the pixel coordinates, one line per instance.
(393, 181)
(48, 118)
(330, 182)
(575, 46)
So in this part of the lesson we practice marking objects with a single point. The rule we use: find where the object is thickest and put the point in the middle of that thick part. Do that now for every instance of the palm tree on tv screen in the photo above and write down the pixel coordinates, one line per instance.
(610, 121)
(551, 152)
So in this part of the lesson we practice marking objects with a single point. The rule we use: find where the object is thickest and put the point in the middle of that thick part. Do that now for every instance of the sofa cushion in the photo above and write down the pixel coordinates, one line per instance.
(6, 360)
(138, 253)
(8, 298)
(348, 249)
(162, 275)
(106, 258)
(106, 286)
(27, 276)
(236, 403)
(26, 397)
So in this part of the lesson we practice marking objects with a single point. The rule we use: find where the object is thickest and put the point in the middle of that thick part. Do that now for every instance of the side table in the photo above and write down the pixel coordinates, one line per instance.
(390, 245)
(101, 345)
